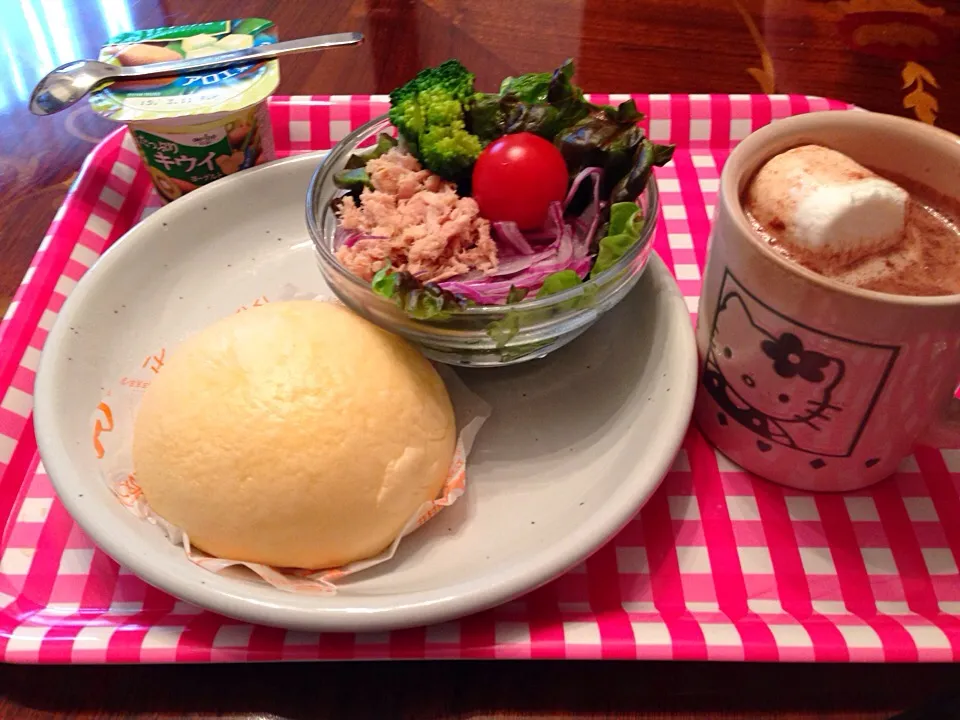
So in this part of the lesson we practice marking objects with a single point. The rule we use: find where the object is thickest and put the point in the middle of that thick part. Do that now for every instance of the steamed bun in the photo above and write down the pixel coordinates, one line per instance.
(295, 434)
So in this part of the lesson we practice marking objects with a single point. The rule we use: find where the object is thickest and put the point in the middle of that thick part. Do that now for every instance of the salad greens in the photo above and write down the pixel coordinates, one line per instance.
(558, 282)
(542, 103)
(626, 222)
(533, 87)
(422, 301)
(446, 123)
(354, 176)
(354, 180)
(504, 330)
(515, 294)
(485, 117)
(385, 143)
(588, 135)
(608, 140)
(646, 155)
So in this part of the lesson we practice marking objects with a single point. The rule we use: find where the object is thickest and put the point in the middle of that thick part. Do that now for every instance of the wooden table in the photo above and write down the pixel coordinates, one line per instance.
(896, 56)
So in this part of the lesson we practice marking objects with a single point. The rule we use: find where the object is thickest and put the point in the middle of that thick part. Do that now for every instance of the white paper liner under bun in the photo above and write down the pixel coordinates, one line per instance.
(112, 429)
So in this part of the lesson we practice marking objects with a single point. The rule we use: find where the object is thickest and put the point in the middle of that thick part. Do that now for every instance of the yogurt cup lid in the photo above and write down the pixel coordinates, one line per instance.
(215, 91)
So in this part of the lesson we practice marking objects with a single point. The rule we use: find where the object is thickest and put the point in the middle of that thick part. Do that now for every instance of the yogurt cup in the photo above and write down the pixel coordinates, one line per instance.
(193, 129)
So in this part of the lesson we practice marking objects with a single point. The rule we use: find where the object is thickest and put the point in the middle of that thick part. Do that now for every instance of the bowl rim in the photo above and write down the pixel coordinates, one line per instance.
(349, 142)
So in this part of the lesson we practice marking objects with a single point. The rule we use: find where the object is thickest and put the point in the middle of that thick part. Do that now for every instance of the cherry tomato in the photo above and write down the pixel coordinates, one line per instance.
(516, 178)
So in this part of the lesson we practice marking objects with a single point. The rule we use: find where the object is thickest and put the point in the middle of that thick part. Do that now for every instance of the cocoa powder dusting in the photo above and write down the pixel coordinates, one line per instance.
(925, 263)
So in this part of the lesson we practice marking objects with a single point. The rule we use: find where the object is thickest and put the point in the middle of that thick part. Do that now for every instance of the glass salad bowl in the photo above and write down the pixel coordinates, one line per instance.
(477, 335)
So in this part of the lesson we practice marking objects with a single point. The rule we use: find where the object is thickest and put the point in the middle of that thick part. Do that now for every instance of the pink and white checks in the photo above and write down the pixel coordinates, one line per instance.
(718, 565)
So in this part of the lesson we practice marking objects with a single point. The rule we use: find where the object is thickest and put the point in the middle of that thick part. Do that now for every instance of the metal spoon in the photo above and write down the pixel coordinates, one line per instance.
(67, 84)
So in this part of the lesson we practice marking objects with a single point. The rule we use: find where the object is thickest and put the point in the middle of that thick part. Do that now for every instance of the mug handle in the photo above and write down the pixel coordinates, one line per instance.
(945, 432)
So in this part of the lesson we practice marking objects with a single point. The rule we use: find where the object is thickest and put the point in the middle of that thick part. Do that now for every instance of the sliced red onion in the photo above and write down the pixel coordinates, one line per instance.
(509, 233)
(344, 237)
(471, 276)
(471, 292)
(591, 172)
(586, 218)
(496, 292)
(565, 247)
(582, 266)
(349, 238)
(518, 263)
(554, 223)
(545, 269)
(585, 227)
(508, 265)
(538, 237)
(584, 248)
(569, 249)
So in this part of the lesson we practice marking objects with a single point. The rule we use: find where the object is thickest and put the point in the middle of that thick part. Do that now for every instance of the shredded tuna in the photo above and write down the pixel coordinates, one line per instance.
(415, 221)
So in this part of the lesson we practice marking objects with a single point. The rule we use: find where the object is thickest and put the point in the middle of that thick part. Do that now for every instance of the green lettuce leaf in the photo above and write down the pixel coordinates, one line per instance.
(485, 117)
(541, 103)
(558, 282)
(516, 294)
(564, 280)
(607, 139)
(384, 282)
(646, 155)
(542, 87)
(505, 329)
(384, 144)
(354, 180)
(421, 301)
(626, 223)
(610, 138)
(354, 175)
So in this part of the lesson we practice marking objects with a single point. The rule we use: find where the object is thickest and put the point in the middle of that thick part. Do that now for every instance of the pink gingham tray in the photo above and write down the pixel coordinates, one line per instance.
(718, 565)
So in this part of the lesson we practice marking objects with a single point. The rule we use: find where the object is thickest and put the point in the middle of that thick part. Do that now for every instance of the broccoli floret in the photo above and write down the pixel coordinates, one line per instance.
(449, 150)
(406, 116)
(439, 108)
(429, 112)
(450, 77)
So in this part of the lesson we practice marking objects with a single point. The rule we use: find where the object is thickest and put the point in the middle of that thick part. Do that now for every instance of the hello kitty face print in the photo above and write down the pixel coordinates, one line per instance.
(791, 385)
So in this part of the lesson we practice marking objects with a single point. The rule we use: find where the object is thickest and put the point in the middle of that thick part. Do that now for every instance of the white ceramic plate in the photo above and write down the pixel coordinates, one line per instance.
(576, 443)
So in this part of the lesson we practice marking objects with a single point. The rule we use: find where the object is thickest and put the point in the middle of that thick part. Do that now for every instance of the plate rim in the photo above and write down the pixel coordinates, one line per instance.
(425, 607)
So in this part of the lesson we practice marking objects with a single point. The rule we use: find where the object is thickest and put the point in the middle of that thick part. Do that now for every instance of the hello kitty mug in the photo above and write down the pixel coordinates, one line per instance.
(805, 381)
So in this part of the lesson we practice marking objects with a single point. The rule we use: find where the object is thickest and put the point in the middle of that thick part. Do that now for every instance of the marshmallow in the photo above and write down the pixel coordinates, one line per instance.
(820, 201)
(866, 215)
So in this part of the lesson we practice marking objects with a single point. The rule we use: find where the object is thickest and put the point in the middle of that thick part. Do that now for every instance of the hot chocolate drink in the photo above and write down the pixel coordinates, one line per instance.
(826, 212)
